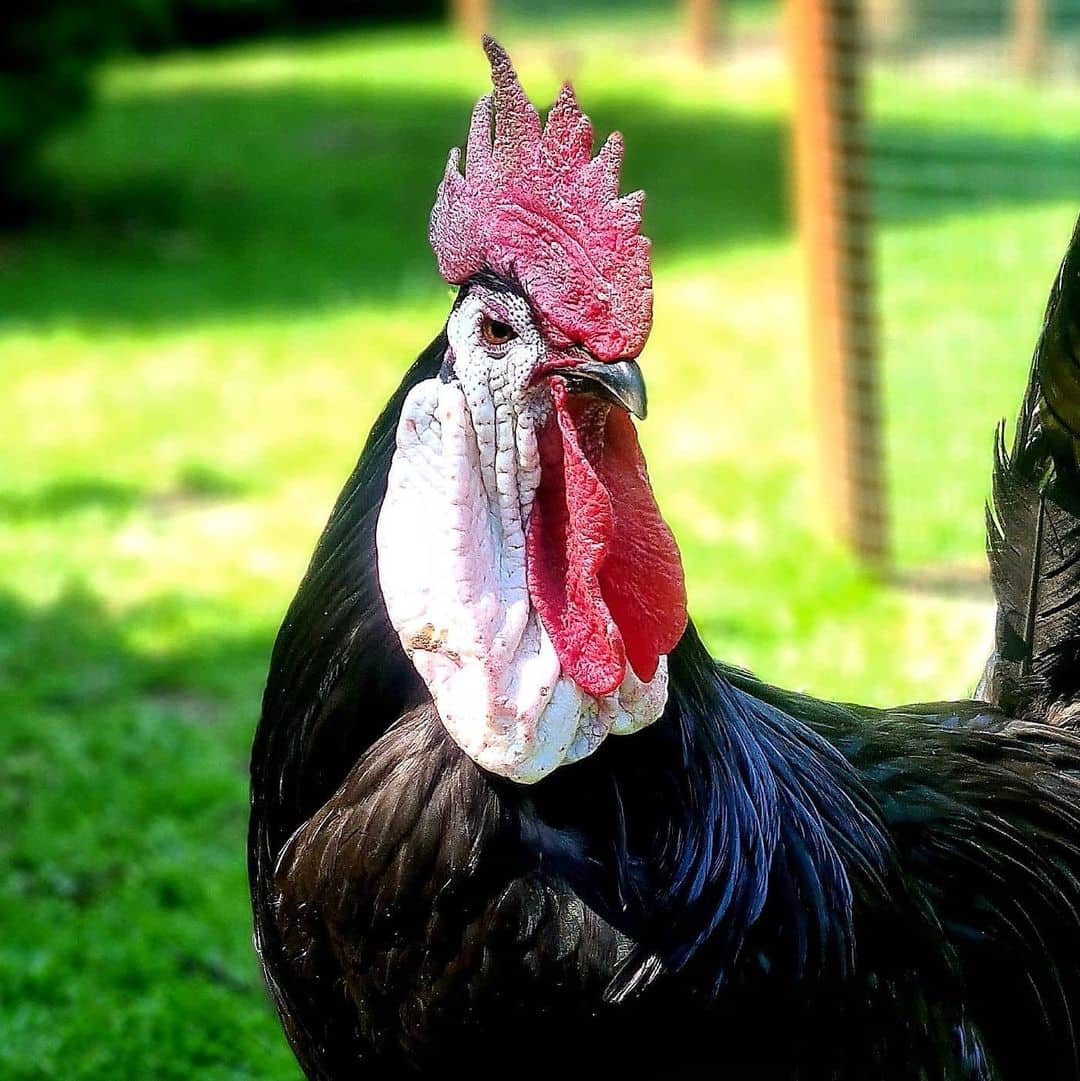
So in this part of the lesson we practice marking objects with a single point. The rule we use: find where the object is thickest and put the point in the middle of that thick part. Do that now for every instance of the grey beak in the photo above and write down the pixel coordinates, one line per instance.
(618, 381)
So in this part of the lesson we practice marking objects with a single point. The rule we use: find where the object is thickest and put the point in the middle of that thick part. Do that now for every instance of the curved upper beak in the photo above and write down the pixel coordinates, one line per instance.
(617, 381)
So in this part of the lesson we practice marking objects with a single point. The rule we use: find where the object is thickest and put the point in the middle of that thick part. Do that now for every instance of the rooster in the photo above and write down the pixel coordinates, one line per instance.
(510, 818)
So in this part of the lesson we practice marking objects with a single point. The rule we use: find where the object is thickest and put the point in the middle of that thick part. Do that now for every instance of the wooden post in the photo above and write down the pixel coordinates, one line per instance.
(835, 226)
(471, 18)
(1029, 37)
(703, 27)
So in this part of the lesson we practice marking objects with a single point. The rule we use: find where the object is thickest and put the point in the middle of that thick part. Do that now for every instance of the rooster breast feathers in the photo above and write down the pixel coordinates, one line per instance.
(898, 887)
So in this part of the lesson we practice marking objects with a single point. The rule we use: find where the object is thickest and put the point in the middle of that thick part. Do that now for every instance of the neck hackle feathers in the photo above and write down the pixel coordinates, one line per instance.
(534, 205)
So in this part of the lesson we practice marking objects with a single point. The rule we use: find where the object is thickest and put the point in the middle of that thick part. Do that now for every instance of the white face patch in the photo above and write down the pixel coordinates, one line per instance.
(451, 558)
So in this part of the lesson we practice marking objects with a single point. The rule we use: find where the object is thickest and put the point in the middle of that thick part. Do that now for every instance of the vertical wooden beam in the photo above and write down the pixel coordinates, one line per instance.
(835, 225)
(703, 25)
(1029, 37)
(471, 18)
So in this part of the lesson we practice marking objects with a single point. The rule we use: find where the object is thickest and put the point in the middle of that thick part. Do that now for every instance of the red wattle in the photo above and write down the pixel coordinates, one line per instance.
(603, 568)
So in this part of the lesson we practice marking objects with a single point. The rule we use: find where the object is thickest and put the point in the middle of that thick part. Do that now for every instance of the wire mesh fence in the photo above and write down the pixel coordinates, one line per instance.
(975, 152)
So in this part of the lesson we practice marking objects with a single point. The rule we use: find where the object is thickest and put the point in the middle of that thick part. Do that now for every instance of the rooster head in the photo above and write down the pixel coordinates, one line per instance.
(521, 554)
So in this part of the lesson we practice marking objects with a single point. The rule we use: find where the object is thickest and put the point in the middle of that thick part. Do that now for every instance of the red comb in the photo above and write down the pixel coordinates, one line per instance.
(535, 206)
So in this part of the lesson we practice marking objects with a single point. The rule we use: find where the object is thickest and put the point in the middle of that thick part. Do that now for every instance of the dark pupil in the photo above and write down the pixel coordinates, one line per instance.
(499, 330)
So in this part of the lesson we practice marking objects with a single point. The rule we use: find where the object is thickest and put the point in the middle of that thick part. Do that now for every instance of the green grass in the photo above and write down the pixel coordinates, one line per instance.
(195, 341)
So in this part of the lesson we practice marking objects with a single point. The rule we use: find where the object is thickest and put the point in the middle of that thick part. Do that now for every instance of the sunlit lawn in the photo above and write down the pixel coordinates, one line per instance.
(194, 347)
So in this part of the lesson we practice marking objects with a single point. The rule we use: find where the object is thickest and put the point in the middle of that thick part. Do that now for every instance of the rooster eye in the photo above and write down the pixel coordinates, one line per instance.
(496, 333)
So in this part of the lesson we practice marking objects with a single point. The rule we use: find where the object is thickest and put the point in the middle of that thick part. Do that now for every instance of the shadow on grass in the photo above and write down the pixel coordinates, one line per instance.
(75, 655)
(216, 204)
(196, 483)
(64, 497)
(88, 711)
(958, 581)
(213, 204)
(123, 789)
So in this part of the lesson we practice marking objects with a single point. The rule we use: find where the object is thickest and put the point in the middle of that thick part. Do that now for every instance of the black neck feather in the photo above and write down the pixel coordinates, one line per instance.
(338, 677)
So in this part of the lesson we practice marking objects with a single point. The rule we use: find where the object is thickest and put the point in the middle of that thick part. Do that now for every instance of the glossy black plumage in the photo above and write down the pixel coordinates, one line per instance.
(766, 884)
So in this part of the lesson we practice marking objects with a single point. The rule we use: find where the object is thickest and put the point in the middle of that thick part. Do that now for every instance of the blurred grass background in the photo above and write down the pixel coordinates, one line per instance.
(230, 280)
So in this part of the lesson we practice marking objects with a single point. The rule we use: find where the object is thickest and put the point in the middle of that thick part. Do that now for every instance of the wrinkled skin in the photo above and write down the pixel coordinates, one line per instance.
(467, 468)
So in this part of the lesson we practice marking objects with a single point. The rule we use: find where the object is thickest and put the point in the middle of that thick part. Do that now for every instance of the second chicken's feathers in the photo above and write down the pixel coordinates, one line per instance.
(1033, 521)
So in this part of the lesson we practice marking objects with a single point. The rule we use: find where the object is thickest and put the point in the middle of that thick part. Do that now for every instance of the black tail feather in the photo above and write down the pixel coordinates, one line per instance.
(1033, 521)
